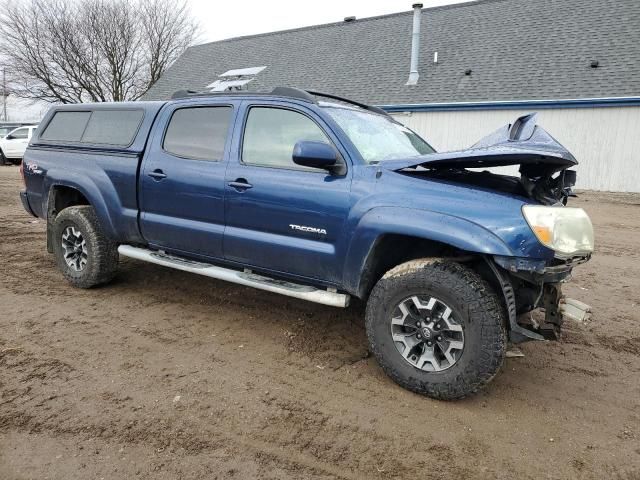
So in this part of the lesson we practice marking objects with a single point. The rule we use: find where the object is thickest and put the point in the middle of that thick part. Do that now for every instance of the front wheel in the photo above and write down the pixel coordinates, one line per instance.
(84, 254)
(436, 328)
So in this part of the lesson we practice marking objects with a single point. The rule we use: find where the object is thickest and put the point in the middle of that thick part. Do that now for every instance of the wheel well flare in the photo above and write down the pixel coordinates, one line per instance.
(391, 250)
(62, 197)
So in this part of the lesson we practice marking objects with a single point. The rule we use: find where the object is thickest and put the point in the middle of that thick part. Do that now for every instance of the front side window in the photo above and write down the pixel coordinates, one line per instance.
(271, 133)
(20, 133)
(377, 137)
(198, 133)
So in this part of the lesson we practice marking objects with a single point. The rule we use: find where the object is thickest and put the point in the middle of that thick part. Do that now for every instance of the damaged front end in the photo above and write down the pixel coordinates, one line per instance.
(530, 285)
(527, 284)
(544, 163)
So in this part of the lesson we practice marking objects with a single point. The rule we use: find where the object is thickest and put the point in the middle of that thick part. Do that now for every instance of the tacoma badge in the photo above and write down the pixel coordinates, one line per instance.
(302, 228)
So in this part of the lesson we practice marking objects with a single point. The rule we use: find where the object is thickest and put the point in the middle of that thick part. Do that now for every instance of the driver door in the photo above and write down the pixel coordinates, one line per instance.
(281, 216)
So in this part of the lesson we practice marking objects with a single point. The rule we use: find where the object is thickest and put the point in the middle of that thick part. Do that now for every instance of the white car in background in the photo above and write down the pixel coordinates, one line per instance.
(13, 146)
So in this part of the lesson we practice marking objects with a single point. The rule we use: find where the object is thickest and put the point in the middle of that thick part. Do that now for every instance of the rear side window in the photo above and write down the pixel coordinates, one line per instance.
(101, 127)
(198, 133)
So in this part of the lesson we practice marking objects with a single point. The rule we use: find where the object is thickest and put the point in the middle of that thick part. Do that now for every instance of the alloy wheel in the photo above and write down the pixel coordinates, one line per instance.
(74, 248)
(426, 333)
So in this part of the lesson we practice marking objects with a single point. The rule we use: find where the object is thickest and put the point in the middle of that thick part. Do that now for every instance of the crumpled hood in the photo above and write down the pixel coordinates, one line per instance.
(521, 143)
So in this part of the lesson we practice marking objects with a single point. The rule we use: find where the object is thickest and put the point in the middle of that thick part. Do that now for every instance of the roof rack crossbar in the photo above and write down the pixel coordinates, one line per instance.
(352, 102)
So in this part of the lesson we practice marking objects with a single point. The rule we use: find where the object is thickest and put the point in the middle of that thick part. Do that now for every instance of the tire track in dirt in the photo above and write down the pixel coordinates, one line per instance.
(269, 387)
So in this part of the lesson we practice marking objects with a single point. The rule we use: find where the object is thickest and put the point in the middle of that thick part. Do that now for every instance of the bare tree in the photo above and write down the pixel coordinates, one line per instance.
(92, 50)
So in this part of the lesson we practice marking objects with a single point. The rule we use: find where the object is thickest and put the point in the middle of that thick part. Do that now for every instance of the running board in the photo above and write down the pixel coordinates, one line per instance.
(246, 278)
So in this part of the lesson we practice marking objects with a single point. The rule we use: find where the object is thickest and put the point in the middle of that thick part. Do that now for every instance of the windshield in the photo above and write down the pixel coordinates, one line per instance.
(378, 138)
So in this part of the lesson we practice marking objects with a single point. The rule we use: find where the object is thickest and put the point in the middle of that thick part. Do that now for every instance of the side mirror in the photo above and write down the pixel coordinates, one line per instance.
(9, 137)
(317, 155)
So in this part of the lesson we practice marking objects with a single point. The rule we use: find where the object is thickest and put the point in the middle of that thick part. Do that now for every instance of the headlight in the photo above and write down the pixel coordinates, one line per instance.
(566, 230)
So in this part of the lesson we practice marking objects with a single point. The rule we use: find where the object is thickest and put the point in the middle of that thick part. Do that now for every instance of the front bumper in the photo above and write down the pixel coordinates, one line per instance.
(25, 203)
(528, 284)
(544, 271)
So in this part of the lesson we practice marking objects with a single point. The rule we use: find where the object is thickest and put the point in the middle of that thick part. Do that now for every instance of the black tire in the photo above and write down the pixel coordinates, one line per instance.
(101, 254)
(475, 307)
(3, 159)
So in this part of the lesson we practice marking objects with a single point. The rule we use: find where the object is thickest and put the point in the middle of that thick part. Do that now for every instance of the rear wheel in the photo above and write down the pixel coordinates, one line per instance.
(436, 328)
(84, 254)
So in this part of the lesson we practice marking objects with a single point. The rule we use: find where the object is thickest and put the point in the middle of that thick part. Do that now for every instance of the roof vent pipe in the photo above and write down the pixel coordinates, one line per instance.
(415, 45)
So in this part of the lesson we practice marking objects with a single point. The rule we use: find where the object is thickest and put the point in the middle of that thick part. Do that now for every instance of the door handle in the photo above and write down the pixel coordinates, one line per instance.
(240, 184)
(157, 174)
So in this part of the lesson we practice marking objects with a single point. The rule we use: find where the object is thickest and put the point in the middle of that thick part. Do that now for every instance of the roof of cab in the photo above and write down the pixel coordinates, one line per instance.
(76, 107)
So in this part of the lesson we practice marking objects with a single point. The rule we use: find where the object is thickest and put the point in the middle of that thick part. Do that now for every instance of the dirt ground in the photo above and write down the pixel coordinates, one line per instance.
(166, 375)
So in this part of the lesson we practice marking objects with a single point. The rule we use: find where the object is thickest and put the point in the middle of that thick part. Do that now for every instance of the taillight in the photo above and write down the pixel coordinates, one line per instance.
(22, 174)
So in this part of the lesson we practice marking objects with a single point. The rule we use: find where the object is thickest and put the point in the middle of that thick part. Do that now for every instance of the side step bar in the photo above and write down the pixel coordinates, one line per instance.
(305, 292)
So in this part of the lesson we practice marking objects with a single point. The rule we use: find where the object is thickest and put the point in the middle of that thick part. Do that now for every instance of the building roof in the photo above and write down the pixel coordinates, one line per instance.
(515, 49)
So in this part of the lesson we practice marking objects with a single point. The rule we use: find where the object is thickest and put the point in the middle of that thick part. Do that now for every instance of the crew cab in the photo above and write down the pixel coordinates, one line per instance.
(324, 199)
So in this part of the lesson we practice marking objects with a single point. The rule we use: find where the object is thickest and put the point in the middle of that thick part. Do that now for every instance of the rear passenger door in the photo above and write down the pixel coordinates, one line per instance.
(182, 178)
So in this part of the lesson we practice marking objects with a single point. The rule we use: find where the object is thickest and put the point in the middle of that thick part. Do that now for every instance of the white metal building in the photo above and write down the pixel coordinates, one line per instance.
(605, 139)
(474, 67)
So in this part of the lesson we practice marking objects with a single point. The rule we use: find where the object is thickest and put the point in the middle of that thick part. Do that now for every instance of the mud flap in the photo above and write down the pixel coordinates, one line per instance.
(49, 237)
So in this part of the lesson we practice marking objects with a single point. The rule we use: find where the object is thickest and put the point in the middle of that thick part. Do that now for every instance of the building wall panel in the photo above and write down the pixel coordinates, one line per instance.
(606, 141)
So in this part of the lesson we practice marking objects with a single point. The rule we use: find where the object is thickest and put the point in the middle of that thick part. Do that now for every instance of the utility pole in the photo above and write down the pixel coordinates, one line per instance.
(4, 94)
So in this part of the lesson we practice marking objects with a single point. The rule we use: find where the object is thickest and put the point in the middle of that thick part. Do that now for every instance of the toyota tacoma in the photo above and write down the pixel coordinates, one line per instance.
(324, 199)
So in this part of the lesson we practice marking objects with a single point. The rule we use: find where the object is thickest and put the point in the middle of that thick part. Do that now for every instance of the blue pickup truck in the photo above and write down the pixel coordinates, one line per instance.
(324, 199)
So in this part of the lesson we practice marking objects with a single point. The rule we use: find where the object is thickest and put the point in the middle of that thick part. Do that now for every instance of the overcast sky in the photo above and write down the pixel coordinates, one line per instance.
(220, 19)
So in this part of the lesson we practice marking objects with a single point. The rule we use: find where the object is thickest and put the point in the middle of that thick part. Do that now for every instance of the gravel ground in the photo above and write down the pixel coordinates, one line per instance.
(166, 375)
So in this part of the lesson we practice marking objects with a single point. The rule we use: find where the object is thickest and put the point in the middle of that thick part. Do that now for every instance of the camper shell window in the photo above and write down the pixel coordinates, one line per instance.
(94, 127)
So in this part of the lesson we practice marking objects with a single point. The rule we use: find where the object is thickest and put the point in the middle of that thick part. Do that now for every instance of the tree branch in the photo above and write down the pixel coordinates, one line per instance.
(92, 50)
